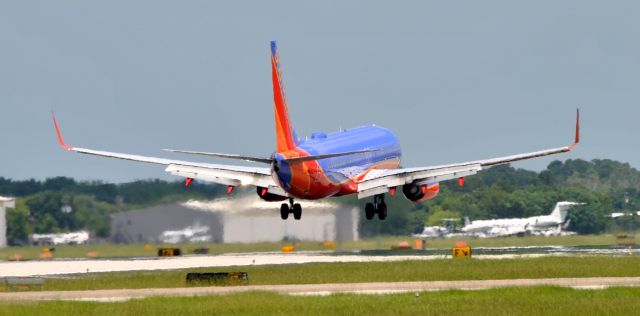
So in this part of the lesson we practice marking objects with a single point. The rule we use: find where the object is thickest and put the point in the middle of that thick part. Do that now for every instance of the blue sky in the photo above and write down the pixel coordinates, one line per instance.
(456, 81)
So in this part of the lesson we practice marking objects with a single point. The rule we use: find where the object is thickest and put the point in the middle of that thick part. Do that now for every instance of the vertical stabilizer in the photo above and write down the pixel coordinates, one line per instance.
(285, 139)
(561, 210)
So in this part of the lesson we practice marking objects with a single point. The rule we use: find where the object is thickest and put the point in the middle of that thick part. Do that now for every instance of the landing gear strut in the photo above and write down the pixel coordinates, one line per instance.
(377, 207)
(296, 209)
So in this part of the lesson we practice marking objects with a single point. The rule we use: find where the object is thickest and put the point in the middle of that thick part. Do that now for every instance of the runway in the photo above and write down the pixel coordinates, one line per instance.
(82, 265)
(75, 266)
(53, 267)
(318, 289)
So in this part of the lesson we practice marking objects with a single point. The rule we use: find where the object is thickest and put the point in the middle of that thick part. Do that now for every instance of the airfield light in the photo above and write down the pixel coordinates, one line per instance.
(460, 244)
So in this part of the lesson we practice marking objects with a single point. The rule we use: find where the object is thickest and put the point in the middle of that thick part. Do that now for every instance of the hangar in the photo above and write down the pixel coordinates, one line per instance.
(244, 219)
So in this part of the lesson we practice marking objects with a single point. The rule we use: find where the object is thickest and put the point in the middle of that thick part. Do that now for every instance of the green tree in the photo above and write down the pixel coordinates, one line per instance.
(439, 214)
(590, 218)
(46, 212)
(18, 224)
(47, 224)
(87, 213)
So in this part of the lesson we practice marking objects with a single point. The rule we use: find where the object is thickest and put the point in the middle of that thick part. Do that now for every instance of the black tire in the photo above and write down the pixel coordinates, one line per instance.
(284, 211)
(382, 211)
(369, 211)
(297, 211)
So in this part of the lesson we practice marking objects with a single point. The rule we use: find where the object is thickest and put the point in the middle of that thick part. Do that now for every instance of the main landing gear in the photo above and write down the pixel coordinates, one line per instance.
(377, 207)
(296, 209)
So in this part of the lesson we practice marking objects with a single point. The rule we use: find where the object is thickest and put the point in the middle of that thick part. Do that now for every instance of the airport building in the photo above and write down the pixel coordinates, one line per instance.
(232, 220)
(5, 202)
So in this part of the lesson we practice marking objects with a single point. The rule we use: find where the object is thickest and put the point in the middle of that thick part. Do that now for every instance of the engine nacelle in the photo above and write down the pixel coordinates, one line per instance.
(269, 197)
(420, 193)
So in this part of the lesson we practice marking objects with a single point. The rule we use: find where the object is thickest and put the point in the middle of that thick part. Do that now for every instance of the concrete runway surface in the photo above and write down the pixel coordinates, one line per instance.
(117, 295)
(74, 266)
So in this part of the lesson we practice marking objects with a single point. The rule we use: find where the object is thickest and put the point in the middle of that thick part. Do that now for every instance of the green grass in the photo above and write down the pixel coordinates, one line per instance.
(138, 250)
(575, 240)
(507, 301)
(417, 270)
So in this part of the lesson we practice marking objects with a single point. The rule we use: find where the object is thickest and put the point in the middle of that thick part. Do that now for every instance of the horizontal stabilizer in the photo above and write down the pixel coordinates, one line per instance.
(269, 160)
(228, 156)
(318, 157)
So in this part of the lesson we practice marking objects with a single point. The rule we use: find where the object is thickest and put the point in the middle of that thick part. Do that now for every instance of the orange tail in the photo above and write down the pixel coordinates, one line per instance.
(285, 136)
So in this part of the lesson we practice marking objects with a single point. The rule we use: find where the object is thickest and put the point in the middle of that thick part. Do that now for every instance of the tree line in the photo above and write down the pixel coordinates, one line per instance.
(63, 204)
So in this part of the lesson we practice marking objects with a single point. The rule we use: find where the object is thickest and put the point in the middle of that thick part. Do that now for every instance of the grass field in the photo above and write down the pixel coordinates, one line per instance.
(138, 250)
(421, 270)
(507, 301)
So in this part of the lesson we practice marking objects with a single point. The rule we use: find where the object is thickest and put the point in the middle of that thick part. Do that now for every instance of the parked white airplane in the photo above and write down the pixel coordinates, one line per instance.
(445, 230)
(193, 233)
(545, 225)
(72, 238)
(620, 214)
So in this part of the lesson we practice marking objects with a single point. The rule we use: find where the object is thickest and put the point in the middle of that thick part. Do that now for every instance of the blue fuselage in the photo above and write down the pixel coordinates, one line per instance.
(338, 175)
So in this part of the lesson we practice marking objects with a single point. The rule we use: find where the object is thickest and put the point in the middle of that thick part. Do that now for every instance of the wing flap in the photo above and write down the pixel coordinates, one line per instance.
(396, 177)
(226, 176)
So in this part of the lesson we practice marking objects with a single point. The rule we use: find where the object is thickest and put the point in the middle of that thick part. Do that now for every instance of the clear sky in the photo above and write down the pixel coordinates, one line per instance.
(456, 80)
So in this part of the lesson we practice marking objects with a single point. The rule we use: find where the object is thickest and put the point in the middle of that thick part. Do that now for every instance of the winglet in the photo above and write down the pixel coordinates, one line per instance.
(577, 137)
(60, 140)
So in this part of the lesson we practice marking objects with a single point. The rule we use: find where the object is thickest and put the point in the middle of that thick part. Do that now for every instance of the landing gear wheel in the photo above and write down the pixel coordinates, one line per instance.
(284, 211)
(369, 211)
(382, 211)
(297, 211)
(377, 207)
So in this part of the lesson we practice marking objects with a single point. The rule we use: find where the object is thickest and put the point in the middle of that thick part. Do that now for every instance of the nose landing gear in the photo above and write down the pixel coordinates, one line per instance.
(377, 207)
(296, 209)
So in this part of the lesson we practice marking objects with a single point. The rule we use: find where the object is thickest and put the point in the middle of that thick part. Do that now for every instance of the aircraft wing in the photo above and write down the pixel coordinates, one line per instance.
(381, 180)
(216, 173)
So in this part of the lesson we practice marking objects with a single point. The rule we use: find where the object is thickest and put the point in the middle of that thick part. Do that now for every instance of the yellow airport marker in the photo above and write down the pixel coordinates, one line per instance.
(288, 248)
(461, 250)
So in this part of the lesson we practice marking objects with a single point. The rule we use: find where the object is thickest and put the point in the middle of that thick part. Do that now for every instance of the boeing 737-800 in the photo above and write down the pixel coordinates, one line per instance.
(362, 160)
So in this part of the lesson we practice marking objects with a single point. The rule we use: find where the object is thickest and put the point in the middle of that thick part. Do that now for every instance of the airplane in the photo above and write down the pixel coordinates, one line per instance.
(362, 160)
(72, 238)
(193, 233)
(621, 214)
(445, 230)
(545, 225)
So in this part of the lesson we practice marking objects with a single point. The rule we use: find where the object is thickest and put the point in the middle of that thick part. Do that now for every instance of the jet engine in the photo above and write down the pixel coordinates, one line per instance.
(420, 192)
(269, 197)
